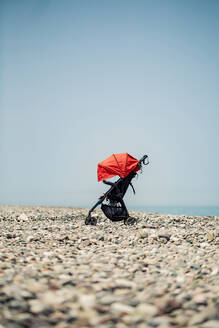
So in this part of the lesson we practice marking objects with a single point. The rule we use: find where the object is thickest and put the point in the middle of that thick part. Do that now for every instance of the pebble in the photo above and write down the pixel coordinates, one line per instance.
(121, 308)
(147, 310)
(209, 313)
(57, 272)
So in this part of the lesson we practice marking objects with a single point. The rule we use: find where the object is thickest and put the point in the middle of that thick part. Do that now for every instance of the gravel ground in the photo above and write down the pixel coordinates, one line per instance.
(57, 272)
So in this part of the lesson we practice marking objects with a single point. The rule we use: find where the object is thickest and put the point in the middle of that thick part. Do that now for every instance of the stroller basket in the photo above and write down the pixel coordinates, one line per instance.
(114, 213)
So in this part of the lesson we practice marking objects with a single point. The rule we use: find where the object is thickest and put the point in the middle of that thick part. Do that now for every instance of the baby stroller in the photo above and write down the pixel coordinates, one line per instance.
(113, 205)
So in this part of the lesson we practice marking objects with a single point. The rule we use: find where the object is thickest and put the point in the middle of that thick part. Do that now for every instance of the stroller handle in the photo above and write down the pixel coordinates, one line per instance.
(142, 160)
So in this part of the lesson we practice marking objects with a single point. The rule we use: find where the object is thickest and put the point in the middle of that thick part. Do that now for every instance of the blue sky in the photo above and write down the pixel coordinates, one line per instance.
(81, 80)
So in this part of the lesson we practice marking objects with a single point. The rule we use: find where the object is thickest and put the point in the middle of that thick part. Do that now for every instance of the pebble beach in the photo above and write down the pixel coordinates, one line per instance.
(57, 272)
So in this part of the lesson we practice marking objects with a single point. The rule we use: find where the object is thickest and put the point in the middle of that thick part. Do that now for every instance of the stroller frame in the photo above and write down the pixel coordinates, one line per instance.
(116, 210)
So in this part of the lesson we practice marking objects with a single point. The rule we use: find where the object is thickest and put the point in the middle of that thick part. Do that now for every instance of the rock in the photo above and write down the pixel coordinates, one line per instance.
(210, 324)
(161, 322)
(123, 283)
(200, 299)
(181, 279)
(143, 234)
(147, 310)
(36, 306)
(23, 217)
(210, 236)
(121, 308)
(29, 239)
(195, 267)
(204, 245)
(181, 320)
(165, 235)
(22, 318)
(215, 271)
(10, 235)
(167, 304)
(152, 239)
(87, 301)
(107, 300)
(211, 312)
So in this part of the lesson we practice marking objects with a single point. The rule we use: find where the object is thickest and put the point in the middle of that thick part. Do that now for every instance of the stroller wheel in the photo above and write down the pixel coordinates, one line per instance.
(90, 221)
(130, 220)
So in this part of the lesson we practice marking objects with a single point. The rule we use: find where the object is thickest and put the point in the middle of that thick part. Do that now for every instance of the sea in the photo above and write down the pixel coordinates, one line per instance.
(179, 210)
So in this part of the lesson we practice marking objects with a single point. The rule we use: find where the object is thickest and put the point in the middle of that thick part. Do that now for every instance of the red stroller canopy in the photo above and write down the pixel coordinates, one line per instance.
(117, 164)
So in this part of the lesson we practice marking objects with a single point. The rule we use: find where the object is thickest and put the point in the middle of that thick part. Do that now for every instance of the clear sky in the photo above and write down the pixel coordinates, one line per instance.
(80, 80)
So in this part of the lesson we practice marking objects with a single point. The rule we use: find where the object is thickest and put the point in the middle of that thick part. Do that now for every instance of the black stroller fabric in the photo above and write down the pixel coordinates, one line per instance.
(114, 213)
